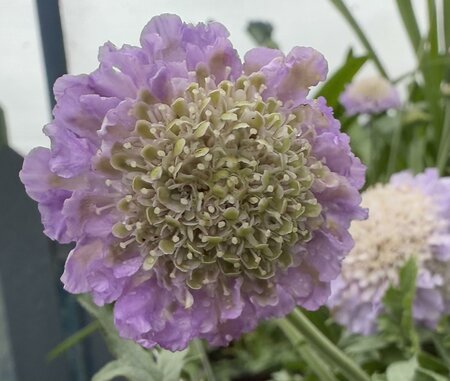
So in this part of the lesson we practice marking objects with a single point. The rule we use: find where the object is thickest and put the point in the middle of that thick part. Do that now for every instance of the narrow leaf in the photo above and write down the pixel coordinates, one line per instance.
(406, 11)
(342, 8)
(73, 340)
(334, 86)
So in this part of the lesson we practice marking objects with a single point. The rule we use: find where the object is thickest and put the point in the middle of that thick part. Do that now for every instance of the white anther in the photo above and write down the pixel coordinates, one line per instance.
(124, 245)
(152, 252)
(245, 225)
(189, 256)
(145, 190)
(221, 224)
(157, 210)
(220, 253)
(133, 164)
(253, 163)
(186, 150)
(257, 176)
(184, 201)
(253, 200)
(127, 145)
(153, 130)
(231, 199)
(128, 198)
(201, 166)
(236, 265)
(139, 225)
(253, 131)
(267, 233)
(208, 113)
(286, 177)
(129, 227)
(208, 157)
(211, 209)
(108, 182)
(161, 153)
(258, 259)
(270, 188)
(234, 241)
(175, 239)
(171, 169)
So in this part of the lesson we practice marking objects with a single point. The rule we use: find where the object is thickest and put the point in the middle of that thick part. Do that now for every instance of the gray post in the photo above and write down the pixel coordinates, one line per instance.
(52, 42)
(31, 317)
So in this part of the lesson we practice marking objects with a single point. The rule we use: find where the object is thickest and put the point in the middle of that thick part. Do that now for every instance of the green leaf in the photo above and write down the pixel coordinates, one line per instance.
(396, 322)
(432, 376)
(334, 86)
(118, 368)
(432, 363)
(410, 22)
(342, 8)
(402, 370)
(170, 364)
(360, 344)
(262, 33)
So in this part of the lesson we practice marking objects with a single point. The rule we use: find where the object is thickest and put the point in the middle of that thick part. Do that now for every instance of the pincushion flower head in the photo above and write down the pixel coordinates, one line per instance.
(408, 217)
(203, 194)
(370, 95)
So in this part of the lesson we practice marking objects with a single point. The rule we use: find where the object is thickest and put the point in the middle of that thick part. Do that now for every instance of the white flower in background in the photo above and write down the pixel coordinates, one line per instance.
(408, 217)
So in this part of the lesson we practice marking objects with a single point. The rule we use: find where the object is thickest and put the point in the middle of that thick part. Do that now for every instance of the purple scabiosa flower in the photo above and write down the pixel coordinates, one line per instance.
(203, 194)
(408, 217)
(370, 95)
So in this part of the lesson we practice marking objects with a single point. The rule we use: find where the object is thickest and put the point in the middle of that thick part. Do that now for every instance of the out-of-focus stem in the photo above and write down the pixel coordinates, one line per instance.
(200, 349)
(316, 364)
(444, 145)
(326, 348)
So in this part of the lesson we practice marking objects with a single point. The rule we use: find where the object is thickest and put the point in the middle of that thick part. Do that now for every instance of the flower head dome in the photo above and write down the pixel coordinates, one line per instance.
(409, 217)
(370, 95)
(203, 194)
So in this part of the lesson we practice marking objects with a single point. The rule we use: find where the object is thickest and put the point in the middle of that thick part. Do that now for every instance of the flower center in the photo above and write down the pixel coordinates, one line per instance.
(217, 182)
(400, 226)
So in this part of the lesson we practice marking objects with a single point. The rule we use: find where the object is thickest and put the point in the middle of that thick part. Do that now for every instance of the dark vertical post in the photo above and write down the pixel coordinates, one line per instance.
(30, 309)
(52, 42)
(3, 133)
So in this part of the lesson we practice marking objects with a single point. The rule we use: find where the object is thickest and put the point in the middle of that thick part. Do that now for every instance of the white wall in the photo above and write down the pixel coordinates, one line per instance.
(89, 23)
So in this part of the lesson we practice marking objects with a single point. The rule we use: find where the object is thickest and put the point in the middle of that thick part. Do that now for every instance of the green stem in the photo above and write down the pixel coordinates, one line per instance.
(316, 364)
(396, 138)
(200, 349)
(73, 340)
(341, 7)
(444, 145)
(326, 348)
